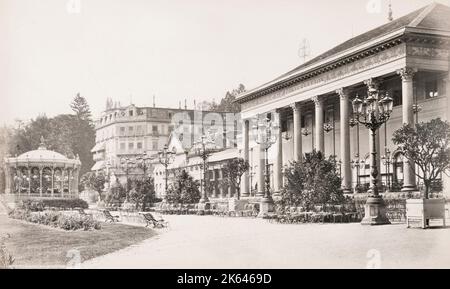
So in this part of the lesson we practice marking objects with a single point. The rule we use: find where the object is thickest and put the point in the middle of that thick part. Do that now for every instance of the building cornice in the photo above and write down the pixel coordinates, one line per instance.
(419, 36)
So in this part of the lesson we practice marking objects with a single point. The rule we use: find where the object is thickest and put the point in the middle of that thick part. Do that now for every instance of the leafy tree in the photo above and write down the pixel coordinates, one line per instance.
(233, 171)
(185, 190)
(228, 104)
(81, 108)
(426, 145)
(314, 181)
(142, 192)
(94, 181)
(65, 133)
(116, 193)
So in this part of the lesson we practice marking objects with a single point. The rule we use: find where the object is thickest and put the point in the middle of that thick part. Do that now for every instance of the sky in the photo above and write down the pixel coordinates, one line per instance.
(173, 49)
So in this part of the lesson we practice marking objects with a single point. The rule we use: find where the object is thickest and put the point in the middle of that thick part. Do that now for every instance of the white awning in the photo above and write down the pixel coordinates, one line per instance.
(98, 166)
(98, 147)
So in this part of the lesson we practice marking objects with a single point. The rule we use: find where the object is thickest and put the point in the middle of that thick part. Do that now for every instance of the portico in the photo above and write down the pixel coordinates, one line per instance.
(408, 59)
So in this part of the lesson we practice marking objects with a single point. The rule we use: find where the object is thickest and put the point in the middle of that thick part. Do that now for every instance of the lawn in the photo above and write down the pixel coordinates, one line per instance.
(40, 246)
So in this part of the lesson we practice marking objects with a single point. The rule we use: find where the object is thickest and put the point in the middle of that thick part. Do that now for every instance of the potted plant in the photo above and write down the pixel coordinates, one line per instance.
(427, 146)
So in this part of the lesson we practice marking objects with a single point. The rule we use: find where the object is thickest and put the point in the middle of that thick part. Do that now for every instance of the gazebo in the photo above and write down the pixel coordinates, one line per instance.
(42, 173)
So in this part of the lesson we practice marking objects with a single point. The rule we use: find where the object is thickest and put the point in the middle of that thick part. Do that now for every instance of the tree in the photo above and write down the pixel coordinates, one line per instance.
(233, 171)
(427, 146)
(314, 181)
(94, 181)
(228, 103)
(142, 192)
(81, 108)
(185, 190)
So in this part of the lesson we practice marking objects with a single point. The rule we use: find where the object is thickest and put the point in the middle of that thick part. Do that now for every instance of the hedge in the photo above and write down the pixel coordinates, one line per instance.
(38, 205)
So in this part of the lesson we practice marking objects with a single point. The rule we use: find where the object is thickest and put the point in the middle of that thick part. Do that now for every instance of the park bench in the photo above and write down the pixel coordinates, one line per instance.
(82, 212)
(110, 217)
(149, 219)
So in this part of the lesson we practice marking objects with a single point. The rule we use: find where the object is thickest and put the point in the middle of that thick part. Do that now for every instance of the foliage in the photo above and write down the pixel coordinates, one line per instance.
(57, 220)
(116, 194)
(226, 104)
(233, 171)
(38, 205)
(185, 190)
(142, 192)
(426, 145)
(62, 134)
(6, 259)
(312, 182)
(81, 108)
(95, 181)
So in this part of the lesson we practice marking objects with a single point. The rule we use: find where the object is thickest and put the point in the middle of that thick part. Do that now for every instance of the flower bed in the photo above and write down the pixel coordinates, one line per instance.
(57, 220)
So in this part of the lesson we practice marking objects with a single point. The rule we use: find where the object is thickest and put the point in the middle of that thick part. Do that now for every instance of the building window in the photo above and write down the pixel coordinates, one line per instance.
(122, 146)
(155, 129)
(131, 146)
(170, 129)
(130, 129)
(139, 145)
(122, 130)
(431, 89)
(155, 145)
(131, 113)
(397, 97)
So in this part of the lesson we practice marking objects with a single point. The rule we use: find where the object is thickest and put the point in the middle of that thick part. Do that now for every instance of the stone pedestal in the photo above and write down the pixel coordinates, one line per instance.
(265, 206)
(375, 212)
(425, 210)
(204, 206)
(235, 205)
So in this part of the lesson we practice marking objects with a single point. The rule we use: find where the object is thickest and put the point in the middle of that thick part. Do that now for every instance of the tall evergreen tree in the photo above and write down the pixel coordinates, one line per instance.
(81, 108)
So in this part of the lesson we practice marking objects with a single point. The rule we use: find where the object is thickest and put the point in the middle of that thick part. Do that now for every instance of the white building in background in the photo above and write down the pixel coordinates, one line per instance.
(127, 134)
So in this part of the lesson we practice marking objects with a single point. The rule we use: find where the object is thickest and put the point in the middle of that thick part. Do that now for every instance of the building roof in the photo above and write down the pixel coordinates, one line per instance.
(434, 16)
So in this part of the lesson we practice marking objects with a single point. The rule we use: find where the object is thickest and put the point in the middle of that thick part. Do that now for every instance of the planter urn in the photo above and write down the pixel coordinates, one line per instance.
(424, 210)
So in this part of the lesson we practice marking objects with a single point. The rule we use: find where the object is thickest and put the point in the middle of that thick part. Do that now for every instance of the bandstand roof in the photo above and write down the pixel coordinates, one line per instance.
(42, 156)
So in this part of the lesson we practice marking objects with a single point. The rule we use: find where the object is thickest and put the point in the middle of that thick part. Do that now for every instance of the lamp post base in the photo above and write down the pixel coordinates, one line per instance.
(266, 205)
(375, 212)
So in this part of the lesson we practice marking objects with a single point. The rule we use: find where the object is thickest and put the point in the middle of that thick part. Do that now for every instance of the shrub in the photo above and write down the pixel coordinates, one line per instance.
(312, 182)
(57, 220)
(38, 205)
(6, 259)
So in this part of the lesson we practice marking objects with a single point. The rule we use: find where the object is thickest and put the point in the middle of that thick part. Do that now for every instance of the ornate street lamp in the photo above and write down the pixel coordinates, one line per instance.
(166, 157)
(373, 112)
(143, 162)
(204, 148)
(125, 164)
(387, 161)
(265, 132)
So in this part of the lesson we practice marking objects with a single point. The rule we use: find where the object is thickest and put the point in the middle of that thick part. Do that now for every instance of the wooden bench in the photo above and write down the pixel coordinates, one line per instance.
(149, 219)
(110, 217)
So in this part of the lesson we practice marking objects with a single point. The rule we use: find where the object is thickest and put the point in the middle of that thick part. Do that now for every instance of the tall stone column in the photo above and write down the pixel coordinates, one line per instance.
(261, 171)
(319, 132)
(407, 74)
(297, 111)
(245, 189)
(278, 165)
(446, 179)
(345, 140)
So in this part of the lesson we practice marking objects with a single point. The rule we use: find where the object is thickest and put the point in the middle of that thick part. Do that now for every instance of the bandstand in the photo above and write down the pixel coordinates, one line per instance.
(41, 173)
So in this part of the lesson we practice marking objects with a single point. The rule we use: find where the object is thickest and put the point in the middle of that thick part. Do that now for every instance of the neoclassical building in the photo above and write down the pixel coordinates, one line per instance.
(407, 58)
(41, 173)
